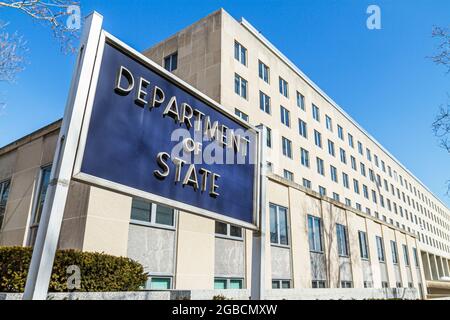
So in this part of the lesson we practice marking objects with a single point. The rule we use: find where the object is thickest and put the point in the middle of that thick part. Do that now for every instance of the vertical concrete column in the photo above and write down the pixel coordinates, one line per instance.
(446, 268)
(426, 266)
(434, 270)
(441, 267)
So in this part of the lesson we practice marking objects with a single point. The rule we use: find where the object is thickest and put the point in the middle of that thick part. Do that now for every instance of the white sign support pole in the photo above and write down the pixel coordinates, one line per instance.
(258, 278)
(41, 265)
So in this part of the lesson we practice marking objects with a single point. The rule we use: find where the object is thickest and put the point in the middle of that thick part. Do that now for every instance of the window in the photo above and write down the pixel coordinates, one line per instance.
(343, 156)
(346, 284)
(285, 116)
(345, 180)
(304, 156)
(264, 102)
(241, 114)
(341, 234)
(384, 284)
(365, 191)
(363, 169)
(405, 254)
(318, 284)
(416, 258)
(303, 128)
(316, 113)
(240, 53)
(363, 249)
(281, 284)
(318, 138)
(333, 173)
(44, 180)
(287, 147)
(369, 155)
(300, 101)
(368, 284)
(263, 71)
(353, 162)
(320, 166)
(348, 202)
(171, 62)
(322, 191)
(350, 141)
(228, 283)
(240, 86)
(394, 252)
(356, 186)
(149, 213)
(331, 148)
(336, 196)
(278, 225)
(288, 175)
(380, 249)
(306, 183)
(360, 148)
(315, 234)
(228, 230)
(4, 192)
(328, 123)
(268, 137)
(159, 283)
(340, 132)
(283, 87)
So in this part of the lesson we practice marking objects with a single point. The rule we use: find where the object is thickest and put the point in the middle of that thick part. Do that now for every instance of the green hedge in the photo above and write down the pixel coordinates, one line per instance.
(99, 271)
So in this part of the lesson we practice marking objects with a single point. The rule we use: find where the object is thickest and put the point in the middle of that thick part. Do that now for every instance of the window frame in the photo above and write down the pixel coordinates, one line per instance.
(152, 223)
(278, 226)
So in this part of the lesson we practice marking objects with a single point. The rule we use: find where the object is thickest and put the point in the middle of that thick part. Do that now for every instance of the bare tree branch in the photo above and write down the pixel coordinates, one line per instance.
(12, 54)
(53, 13)
(441, 127)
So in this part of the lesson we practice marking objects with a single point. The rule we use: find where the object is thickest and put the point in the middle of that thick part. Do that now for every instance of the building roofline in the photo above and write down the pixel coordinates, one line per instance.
(247, 25)
(31, 136)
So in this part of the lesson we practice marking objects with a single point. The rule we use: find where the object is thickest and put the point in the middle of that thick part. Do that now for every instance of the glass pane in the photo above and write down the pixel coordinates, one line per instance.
(221, 228)
(220, 284)
(45, 179)
(4, 189)
(311, 234)
(275, 284)
(235, 231)
(273, 224)
(283, 225)
(141, 210)
(164, 215)
(160, 283)
(285, 284)
(317, 234)
(235, 284)
(174, 61)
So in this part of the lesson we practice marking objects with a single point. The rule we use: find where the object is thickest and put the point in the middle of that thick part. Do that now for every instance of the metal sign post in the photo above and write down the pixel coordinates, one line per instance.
(41, 265)
(257, 291)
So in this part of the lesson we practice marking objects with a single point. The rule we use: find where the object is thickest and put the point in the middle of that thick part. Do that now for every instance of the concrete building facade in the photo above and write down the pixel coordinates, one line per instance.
(342, 212)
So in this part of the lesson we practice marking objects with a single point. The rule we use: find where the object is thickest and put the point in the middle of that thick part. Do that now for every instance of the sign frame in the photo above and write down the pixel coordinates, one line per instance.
(78, 175)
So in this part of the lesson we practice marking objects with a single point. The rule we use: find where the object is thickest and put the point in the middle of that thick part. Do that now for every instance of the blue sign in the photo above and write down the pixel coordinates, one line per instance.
(152, 133)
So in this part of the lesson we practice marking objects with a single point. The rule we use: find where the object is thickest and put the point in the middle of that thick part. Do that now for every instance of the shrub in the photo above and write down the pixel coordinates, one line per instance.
(99, 271)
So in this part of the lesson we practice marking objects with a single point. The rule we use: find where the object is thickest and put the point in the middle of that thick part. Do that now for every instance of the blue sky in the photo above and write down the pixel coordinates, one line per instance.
(382, 78)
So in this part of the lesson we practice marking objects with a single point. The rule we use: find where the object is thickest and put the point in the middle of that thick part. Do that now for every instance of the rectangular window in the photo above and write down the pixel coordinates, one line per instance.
(322, 191)
(288, 175)
(263, 71)
(331, 148)
(320, 166)
(318, 284)
(306, 183)
(264, 102)
(284, 87)
(346, 284)
(356, 186)
(171, 62)
(333, 173)
(241, 114)
(281, 284)
(228, 283)
(416, 258)
(149, 213)
(285, 116)
(336, 197)
(345, 180)
(240, 86)
(159, 283)
(318, 138)
(328, 123)
(240, 53)
(360, 148)
(300, 101)
(365, 191)
(340, 132)
(315, 234)
(363, 169)
(394, 252)
(405, 254)
(303, 128)
(278, 225)
(268, 137)
(228, 230)
(42, 191)
(316, 113)
(380, 249)
(287, 147)
(368, 154)
(353, 162)
(341, 234)
(350, 141)
(343, 156)
(363, 249)
(304, 157)
(4, 193)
